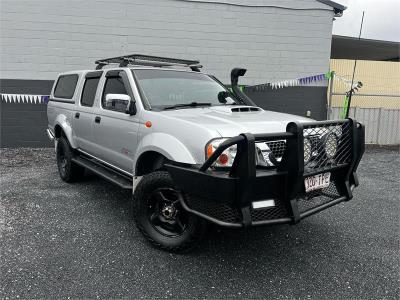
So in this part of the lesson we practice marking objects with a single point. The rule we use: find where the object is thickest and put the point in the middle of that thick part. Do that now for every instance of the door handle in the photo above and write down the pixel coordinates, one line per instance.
(97, 119)
(77, 115)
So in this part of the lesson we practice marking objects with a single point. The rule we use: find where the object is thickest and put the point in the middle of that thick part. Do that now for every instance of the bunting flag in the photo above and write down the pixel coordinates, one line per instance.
(346, 81)
(294, 82)
(22, 98)
(303, 81)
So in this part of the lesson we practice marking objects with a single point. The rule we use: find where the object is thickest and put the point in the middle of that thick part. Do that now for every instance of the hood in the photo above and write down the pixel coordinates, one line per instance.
(233, 120)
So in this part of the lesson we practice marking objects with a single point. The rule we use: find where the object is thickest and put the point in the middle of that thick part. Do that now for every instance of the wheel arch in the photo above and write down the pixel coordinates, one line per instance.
(150, 161)
(160, 147)
(63, 128)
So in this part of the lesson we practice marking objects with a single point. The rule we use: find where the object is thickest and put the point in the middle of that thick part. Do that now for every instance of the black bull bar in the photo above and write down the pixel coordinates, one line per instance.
(225, 196)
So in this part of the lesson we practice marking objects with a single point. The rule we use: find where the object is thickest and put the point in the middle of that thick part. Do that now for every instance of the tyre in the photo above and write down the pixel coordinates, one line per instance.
(160, 217)
(69, 171)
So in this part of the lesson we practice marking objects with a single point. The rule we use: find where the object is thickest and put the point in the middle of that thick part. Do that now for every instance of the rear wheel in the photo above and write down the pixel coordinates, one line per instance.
(68, 170)
(160, 216)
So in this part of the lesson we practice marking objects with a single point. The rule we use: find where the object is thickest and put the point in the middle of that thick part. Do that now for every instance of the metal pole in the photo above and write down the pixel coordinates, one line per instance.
(329, 110)
(354, 70)
(378, 128)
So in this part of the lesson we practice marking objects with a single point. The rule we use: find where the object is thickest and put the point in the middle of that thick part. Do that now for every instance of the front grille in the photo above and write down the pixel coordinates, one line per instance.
(277, 212)
(317, 134)
(317, 198)
(277, 148)
(219, 211)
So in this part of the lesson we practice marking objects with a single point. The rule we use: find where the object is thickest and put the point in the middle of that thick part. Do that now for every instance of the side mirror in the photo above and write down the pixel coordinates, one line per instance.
(222, 96)
(112, 99)
(120, 102)
(226, 97)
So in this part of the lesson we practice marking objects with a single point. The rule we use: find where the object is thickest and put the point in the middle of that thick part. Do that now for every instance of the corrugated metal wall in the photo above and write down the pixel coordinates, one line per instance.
(381, 124)
(377, 103)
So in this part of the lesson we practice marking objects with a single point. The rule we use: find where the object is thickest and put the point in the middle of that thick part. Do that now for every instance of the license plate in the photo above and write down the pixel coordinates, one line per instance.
(317, 182)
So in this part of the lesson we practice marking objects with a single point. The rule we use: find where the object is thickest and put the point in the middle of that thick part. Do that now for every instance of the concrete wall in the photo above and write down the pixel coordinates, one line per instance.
(273, 39)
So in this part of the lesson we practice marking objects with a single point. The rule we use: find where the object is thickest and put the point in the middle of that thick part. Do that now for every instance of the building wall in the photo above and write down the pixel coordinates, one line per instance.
(275, 40)
(23, 123)
(42, 38)
(380, 79)
(377, 103)
(297, 100)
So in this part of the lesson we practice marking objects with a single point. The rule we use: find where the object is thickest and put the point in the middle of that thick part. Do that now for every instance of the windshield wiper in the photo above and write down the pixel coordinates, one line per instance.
(192, 104)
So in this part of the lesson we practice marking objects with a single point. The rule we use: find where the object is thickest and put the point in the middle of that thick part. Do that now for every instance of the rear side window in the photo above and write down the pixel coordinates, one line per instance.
(65, 87)
(89, 91)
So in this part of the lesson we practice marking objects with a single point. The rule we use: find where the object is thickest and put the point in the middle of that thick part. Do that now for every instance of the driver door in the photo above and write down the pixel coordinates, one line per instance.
(115, 131)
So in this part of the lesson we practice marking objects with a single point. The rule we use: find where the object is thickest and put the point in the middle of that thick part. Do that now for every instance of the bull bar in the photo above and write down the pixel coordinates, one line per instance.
(225, 196)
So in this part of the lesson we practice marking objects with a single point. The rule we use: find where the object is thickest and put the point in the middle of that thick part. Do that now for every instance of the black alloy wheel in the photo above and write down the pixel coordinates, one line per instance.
(165, 212)
(160, 216)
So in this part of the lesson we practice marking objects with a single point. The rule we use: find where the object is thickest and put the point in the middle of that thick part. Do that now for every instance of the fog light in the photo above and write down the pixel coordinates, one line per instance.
(307, 150)
(331, 145)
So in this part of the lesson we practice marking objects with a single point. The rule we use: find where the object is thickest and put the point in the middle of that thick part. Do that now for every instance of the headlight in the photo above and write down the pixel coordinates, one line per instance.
(331, 145)
(226, 158)
(307, 150)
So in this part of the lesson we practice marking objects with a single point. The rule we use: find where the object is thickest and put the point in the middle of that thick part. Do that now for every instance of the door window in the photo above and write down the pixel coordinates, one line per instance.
(89, 91)
(115, 85)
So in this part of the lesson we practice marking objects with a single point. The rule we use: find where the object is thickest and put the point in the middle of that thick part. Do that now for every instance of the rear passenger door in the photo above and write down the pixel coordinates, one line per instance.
(115, 131)
(84, 116)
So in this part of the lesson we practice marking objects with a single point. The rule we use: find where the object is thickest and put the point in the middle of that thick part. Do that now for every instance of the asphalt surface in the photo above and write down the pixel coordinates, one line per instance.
(60, 240)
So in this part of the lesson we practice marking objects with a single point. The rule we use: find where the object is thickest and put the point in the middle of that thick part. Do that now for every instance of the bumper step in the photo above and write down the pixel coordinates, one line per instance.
(105, 172)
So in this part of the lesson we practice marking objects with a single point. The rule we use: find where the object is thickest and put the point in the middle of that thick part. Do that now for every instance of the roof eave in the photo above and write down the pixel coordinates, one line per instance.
(338, 8)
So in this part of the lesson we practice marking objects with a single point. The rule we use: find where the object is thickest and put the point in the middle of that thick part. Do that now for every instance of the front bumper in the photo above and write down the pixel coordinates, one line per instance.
(226, 197)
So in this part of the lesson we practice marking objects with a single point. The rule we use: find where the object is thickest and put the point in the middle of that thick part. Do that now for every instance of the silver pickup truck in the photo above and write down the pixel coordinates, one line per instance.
(194, 151)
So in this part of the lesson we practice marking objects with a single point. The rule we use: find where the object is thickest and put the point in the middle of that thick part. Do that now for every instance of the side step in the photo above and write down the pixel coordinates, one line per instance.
(105, 172)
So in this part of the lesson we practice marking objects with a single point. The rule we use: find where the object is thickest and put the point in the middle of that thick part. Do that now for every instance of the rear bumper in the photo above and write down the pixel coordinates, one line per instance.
(226, 197)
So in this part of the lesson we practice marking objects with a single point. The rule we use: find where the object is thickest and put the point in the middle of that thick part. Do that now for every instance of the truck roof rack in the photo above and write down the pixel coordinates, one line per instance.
(148, 60)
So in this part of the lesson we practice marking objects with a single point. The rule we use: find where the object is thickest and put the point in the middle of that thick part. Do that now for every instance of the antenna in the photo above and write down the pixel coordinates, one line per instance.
(354, 71)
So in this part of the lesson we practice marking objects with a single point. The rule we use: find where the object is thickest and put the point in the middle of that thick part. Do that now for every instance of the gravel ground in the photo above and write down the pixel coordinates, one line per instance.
(60, 240)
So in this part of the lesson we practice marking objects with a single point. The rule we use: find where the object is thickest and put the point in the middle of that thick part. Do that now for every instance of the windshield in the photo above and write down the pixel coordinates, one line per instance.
(167, 88)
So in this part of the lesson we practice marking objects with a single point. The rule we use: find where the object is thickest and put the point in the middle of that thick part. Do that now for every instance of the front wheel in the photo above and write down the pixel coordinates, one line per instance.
(160, 217)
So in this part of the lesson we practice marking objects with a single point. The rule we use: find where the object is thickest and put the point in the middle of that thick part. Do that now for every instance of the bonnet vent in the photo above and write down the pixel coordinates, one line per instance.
(245, 109)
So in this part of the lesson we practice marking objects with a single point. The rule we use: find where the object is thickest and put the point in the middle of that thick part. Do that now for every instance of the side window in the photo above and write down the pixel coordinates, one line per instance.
(114, 85)
(65, 87)
(89, 91)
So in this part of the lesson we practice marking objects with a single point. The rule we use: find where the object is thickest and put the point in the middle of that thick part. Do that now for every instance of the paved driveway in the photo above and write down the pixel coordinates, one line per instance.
(61, 240)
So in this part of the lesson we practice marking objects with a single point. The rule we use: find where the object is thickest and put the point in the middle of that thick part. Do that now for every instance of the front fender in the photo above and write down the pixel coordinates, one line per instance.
(167, 145)
(66, 126)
